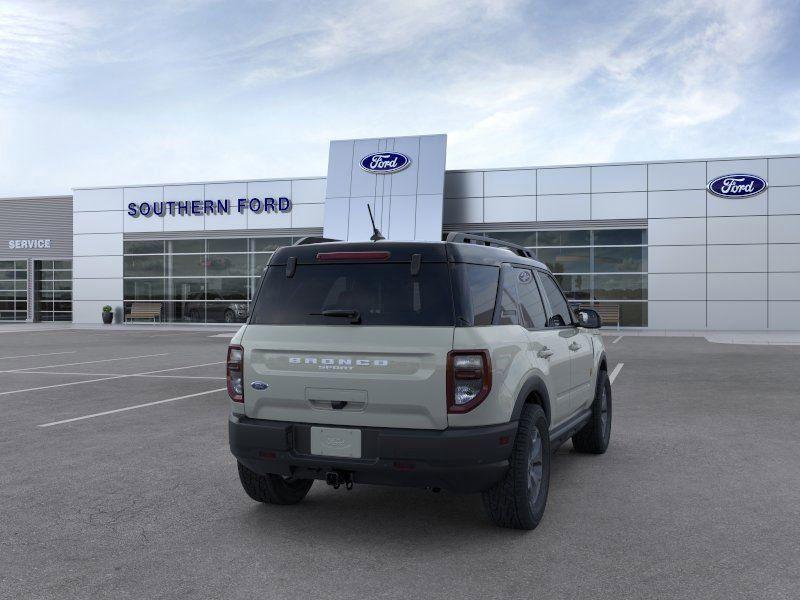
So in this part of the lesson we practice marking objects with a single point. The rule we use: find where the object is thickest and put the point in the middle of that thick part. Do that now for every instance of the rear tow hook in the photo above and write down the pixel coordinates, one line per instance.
(337, 478)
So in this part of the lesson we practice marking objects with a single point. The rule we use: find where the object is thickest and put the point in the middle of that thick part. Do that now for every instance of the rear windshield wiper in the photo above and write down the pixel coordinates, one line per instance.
(353, 315)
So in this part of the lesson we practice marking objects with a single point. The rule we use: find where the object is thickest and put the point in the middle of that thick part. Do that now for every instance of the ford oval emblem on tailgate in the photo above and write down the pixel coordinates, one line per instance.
(259, 385)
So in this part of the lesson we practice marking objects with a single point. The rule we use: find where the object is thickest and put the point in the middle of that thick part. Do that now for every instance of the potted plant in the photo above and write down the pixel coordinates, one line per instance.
(108, 315)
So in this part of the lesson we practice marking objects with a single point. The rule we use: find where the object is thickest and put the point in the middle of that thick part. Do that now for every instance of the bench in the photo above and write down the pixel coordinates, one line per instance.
(609, 313)
(144, 310)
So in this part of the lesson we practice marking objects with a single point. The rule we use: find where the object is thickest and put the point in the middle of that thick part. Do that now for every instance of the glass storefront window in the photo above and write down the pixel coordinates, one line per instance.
(144, 289)
(579, 237)
(186, 265)
(619, 287)
(54, 290)
(233, 245)
(620, 237)
(622, 260)
(594, 266)
(143, 266)
(565, 260)
(186, 246)
(270, 244)
(143, 247)
(226, 264)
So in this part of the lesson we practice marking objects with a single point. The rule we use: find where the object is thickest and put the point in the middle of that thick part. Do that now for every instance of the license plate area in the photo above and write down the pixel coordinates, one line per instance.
(334, 441)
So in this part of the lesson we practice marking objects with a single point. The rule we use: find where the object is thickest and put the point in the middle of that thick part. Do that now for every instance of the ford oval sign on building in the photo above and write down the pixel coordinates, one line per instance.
(737, 186)
(385, 163)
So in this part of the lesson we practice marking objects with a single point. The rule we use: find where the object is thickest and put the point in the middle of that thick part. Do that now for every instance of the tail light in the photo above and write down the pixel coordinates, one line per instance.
(469, 379)
(234, 373)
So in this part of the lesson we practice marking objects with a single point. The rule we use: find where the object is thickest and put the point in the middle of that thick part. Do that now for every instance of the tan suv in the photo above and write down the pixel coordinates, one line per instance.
(453, 365)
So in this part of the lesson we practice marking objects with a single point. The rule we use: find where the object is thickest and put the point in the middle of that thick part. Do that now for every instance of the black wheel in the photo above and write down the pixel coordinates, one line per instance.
(519, 499)
(229, 317)
(594, 437)
(273, 489)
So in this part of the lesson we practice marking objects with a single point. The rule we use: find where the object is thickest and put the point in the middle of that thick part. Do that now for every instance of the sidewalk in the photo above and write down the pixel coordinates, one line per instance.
(779, 338)
(17, 327)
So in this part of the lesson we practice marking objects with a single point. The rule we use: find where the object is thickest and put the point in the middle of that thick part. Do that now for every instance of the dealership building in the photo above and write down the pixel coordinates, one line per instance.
(683, 244)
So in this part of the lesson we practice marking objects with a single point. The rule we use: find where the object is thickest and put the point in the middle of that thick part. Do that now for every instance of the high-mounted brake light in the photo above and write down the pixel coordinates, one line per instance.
(469, 379)
(369, 255)
(234, 373)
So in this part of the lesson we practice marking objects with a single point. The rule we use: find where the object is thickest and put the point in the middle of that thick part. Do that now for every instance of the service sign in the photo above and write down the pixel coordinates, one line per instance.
(737, 186)
(28, 244)
(385, 163)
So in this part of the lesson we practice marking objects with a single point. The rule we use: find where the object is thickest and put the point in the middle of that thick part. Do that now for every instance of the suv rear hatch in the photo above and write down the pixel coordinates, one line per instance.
(351, 334)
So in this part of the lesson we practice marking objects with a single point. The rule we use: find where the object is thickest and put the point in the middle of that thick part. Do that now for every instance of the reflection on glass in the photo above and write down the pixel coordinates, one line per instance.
(143, 266)
(226, 264)
(576, 287)
(622, 260)
(620, 287)
(187, 246)
(565, 260)
(270, 244)
(143, 247)
(189, 265)
(227, 245)
(620, 237)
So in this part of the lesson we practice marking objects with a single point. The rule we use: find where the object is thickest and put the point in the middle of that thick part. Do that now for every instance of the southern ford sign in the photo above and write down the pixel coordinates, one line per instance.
(737, 186)
(209, 207)
(385, 163)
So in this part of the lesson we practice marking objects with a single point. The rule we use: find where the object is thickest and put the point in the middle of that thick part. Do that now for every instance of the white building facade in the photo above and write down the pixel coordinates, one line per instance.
(650, 239)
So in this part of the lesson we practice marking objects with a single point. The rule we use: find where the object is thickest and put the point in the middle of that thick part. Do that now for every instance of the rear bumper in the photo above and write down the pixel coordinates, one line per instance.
(469, 459)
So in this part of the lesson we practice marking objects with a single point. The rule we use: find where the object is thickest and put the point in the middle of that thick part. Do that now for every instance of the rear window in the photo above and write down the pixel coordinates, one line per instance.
(383, 294)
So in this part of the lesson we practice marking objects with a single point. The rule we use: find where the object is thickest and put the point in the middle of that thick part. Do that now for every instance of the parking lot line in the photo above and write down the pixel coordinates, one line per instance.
(616, 340)
(47, 387)
(86, 362)
(118, 410)
(615, 372)
(113, 374)
(34, 355)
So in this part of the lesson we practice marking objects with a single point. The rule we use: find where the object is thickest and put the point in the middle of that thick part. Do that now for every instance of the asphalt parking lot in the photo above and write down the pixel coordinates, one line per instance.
(697, 496)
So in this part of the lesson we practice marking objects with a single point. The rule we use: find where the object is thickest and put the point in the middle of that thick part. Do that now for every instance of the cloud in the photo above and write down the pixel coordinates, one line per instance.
(349, 33)
(35, 38)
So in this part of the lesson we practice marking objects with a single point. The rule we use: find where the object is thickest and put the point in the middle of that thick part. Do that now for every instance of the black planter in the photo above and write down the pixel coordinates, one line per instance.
(108, 317)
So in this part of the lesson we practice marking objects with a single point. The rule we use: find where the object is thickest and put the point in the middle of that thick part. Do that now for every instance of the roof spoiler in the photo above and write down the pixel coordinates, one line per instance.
(457, 237)
(313, 239)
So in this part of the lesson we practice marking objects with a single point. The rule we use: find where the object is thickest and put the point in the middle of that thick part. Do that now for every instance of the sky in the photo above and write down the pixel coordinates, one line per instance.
(113, 92)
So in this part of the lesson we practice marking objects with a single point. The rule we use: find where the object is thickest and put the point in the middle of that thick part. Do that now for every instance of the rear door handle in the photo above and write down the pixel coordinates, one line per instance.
(545, 353)
(574, 346)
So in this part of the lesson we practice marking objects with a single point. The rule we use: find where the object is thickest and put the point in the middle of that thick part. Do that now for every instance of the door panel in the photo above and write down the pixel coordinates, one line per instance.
(552, 356)
(582, 364)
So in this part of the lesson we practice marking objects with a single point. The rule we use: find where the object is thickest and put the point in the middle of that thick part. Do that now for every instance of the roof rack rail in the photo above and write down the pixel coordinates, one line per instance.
(468, 238)
(313, 239)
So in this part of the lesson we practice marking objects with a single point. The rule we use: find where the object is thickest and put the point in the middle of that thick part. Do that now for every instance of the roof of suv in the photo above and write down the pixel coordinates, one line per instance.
(403, 251)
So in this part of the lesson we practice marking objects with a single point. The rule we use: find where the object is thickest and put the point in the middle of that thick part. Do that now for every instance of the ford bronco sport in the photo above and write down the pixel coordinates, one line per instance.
(453, 365)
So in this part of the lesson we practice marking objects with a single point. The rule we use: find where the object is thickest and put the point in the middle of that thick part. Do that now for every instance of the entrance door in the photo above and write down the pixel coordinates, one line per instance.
(13, 290)
(53, 290)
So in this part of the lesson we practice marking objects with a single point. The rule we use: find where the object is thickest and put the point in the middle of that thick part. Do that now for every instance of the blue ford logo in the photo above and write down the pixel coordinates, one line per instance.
(737, 186)
(259, 385)
(385, 163)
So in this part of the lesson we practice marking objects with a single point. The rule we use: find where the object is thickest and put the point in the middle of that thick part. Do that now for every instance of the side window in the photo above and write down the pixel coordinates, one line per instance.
(561, 312)
(507, 313)
(530, 301)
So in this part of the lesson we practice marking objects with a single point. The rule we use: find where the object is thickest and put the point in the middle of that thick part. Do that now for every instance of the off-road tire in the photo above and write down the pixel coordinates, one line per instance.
(512, 502)
(593, 438)
(273, 489)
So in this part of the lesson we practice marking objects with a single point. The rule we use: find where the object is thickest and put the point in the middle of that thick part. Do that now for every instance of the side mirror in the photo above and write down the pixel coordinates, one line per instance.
(588, 318)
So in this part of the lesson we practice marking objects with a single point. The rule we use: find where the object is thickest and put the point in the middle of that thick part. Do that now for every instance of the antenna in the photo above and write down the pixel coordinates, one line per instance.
(376, 234)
